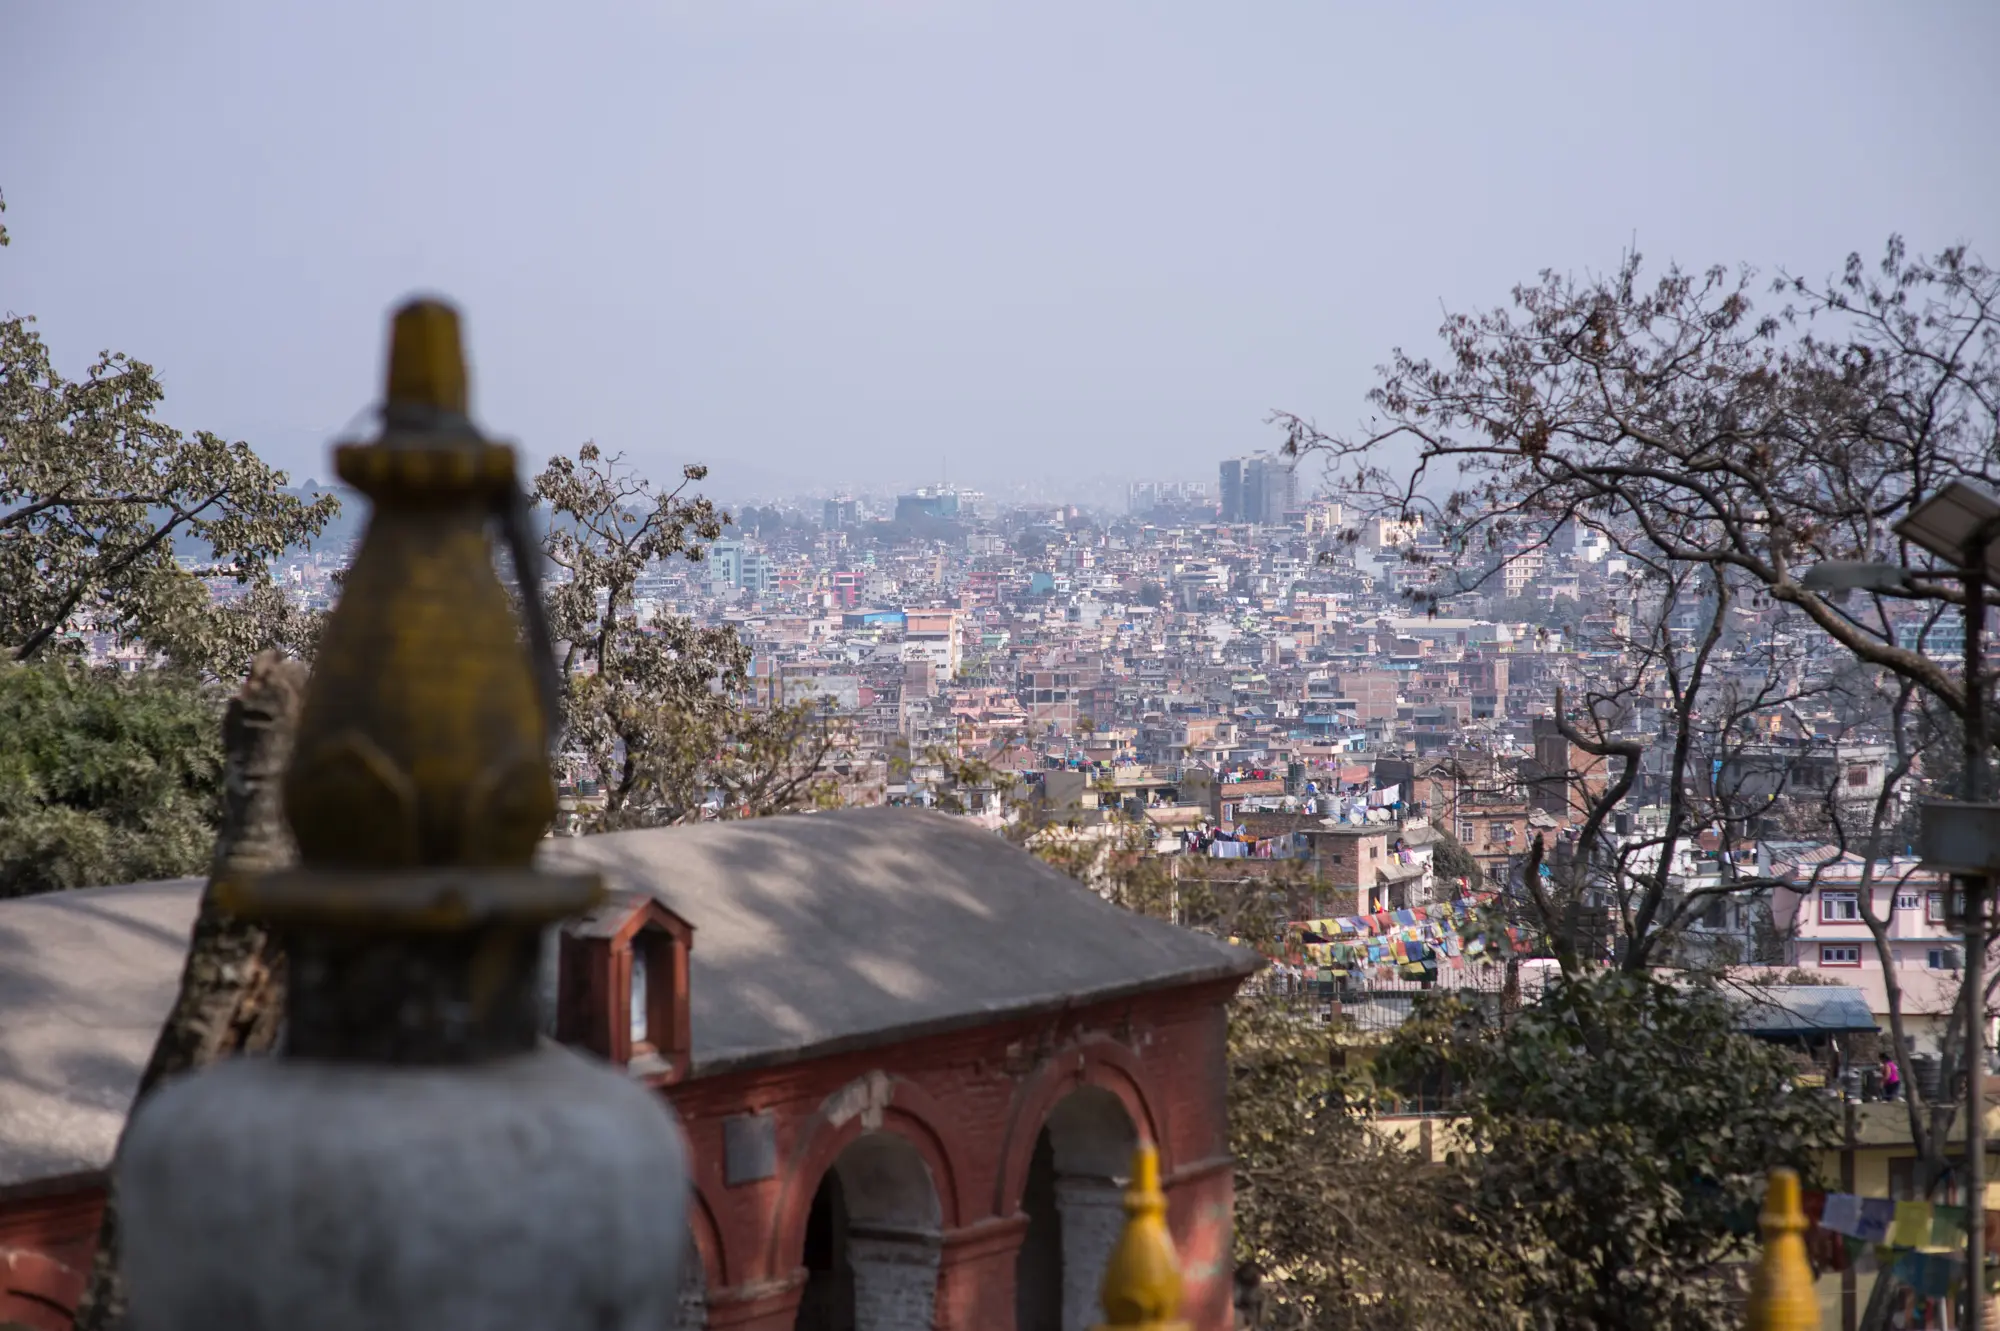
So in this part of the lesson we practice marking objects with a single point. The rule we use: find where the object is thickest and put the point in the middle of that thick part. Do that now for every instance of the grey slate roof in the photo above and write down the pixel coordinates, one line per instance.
(843, 929)
(1785, 1010)
(86, 980)
(812, 934)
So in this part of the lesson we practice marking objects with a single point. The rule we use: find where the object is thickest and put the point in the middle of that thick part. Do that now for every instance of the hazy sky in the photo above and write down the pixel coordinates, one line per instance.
(821, 241)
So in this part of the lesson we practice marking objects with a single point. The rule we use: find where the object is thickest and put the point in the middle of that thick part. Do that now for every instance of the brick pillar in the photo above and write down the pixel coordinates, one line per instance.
(895, 1278)
(1093, 1214)
(976, 1275)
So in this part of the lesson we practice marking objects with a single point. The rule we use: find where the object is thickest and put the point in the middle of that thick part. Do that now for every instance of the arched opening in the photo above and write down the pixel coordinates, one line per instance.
(872, 1240)
(1074, 1200)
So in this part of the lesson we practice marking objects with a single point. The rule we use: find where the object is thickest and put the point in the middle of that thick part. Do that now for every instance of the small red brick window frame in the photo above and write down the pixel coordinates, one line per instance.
(1840, 954)
(594, 1006)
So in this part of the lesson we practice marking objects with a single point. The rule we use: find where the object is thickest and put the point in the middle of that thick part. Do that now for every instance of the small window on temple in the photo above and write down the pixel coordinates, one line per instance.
(641, 1015)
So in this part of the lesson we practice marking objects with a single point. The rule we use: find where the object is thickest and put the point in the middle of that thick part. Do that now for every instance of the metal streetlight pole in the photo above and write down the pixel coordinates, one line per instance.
(1975, 943)
(1961, 525)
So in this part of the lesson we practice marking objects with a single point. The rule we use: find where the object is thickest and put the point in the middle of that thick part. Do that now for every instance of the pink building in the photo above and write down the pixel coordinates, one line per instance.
(1821, 923)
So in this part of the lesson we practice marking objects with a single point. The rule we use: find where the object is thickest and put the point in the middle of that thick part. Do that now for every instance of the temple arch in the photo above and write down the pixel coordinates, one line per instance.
(872, 1239)
(1073, 1198)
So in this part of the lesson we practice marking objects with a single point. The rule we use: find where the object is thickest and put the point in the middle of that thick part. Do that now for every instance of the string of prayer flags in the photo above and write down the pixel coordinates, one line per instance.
(1905, 1225)
(1413, 941)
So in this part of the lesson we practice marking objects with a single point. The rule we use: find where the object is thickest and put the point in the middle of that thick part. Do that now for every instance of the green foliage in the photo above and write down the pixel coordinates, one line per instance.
(1342, 1226)
(1452, 861)
(1615, 1131)
(654, 707)
(105, 778)
(95, 490)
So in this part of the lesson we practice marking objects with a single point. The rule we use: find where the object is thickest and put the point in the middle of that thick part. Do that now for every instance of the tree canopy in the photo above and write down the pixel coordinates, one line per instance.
(1339, 1226)
(653, 703)
(95, 491)
(1615, 1136)
(105, 777)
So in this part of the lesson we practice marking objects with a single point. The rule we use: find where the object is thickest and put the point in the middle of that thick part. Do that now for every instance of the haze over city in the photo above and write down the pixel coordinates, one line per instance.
(885, 242)
(1134, 672)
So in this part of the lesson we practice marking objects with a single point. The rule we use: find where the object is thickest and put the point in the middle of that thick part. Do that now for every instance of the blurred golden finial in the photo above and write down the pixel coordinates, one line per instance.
(1142, 1281)
(420, 785)
(1781, 1288)
(426, 360)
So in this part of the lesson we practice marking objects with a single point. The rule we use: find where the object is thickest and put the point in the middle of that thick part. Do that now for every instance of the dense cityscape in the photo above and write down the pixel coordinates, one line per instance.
(918, 665)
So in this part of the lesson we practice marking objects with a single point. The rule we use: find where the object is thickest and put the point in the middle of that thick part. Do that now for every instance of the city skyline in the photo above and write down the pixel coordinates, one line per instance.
(1113, 239)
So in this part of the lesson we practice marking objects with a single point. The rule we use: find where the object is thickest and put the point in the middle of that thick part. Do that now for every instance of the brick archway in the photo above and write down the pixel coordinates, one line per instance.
(889, 1105)
(707, 1235)
(1094, 1060)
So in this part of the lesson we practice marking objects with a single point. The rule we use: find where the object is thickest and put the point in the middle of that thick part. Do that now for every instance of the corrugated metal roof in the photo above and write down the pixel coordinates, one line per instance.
(1804, 1009)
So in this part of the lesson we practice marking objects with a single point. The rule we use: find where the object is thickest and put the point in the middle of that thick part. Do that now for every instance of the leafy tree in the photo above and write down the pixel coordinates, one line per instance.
(1725, 449)
(1616, 1132)
(1337, 1224)
(1750, 445)
(231, 998)
(653, 707)
(95, 490)
(105, 777)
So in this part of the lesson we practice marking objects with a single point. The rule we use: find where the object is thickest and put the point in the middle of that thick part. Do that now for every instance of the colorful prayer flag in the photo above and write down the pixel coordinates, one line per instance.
(1912, 1227)
(1877, 1214)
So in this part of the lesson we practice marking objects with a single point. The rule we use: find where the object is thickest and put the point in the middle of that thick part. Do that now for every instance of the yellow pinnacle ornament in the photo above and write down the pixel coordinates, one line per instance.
(1142, 1281)
(1781, 1287)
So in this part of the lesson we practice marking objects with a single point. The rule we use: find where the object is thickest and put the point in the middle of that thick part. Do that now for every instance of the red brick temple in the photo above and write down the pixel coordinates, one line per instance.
(911, 1062)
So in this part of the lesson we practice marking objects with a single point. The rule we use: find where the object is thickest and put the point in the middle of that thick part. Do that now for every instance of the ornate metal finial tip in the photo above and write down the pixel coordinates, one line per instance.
(1142, 1281)
(427, 358)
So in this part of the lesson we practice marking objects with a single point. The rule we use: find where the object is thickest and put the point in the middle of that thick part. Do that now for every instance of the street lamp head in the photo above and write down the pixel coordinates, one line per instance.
(1959, 524)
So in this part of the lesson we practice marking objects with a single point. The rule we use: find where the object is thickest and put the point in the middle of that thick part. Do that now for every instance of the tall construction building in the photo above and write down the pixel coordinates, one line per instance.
(1260, 488)
(1231, 489)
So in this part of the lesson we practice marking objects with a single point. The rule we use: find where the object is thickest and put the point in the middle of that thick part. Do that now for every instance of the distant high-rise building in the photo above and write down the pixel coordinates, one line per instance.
(735, 564)
(841, 514)
(1261, 488)
(1231, 490)
(926, 502)
(1270, 489)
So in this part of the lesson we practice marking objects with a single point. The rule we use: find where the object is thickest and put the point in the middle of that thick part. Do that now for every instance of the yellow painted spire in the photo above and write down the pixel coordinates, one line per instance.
(1781, 1288)
(1142, 1281)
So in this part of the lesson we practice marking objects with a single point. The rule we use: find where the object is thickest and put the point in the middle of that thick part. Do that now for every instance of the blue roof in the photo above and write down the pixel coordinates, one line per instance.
(1781, 1010)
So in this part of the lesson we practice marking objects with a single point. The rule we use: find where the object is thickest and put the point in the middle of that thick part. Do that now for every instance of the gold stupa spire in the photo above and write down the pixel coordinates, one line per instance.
(420, 784)
(1142, 1281)
(1781, 1286)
